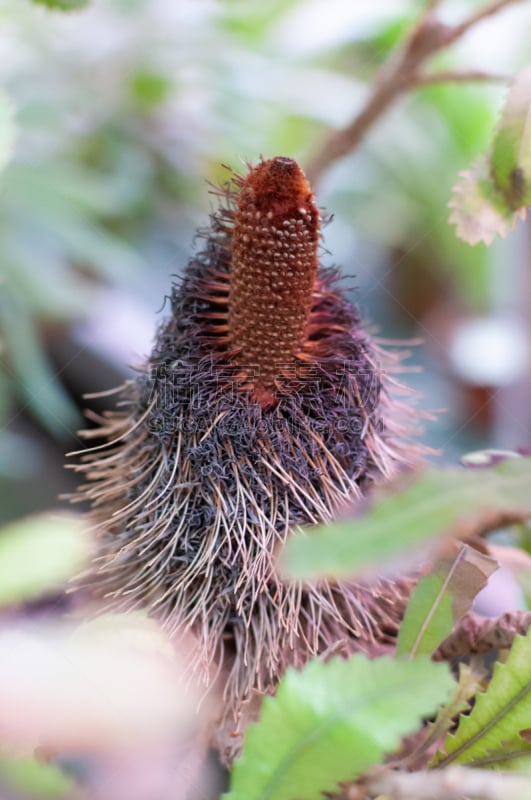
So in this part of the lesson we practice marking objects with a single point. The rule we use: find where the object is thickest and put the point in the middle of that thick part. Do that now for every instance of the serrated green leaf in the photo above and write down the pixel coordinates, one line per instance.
(478, 210)
(251, 21)
(510, 162)
(438, 502)
(467, 686)
(35, 779)
(98, 249)
(491, 733)
(331, 721)
(440, 600)
(39, 554)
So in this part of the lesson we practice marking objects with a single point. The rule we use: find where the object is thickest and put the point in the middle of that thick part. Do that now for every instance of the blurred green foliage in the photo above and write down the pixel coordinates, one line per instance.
(78, 692)
(38, 555)
(63, 5)
(495, 732)
(406, 514)
(36, 779)
(494, 194)
(6, 130)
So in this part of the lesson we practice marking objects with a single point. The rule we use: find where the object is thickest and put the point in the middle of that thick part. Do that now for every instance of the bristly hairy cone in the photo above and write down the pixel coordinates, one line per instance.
(264, 406)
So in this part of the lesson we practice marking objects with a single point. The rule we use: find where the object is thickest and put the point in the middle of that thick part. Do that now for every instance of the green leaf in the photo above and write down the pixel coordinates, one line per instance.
(438, 502)
(491, 733)
(440, 600)
(7, 130)
(467, 686)
(331, 721)
(510, 161)
(35, 779)
(150, 89)
(63, 5)
(478, 210)
(39, 554)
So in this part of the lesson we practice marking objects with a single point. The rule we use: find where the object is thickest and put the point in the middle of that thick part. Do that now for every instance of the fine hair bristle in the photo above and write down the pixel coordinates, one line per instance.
(226, 442)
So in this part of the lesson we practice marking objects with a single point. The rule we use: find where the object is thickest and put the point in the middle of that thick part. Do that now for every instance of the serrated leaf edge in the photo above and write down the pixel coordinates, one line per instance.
(286, 762)
(448, 758)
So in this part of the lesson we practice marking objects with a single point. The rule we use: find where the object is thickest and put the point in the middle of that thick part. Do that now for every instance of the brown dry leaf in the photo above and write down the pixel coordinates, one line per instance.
(476, 634)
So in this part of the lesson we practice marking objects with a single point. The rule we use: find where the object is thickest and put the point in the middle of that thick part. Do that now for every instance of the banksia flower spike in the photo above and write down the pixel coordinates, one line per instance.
(264, 407)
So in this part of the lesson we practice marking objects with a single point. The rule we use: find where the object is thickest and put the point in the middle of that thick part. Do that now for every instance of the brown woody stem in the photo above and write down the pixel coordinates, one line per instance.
(402, 73)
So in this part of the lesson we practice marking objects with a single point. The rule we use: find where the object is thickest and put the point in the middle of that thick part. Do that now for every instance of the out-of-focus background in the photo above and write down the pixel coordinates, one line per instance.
(122, 113)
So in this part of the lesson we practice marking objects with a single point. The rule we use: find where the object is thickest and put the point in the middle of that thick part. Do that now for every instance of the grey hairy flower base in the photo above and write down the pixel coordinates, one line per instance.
(198, 485)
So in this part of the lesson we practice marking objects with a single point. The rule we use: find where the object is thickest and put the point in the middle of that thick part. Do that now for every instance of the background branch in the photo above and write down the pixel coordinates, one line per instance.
(399, 74)
(482, 13)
